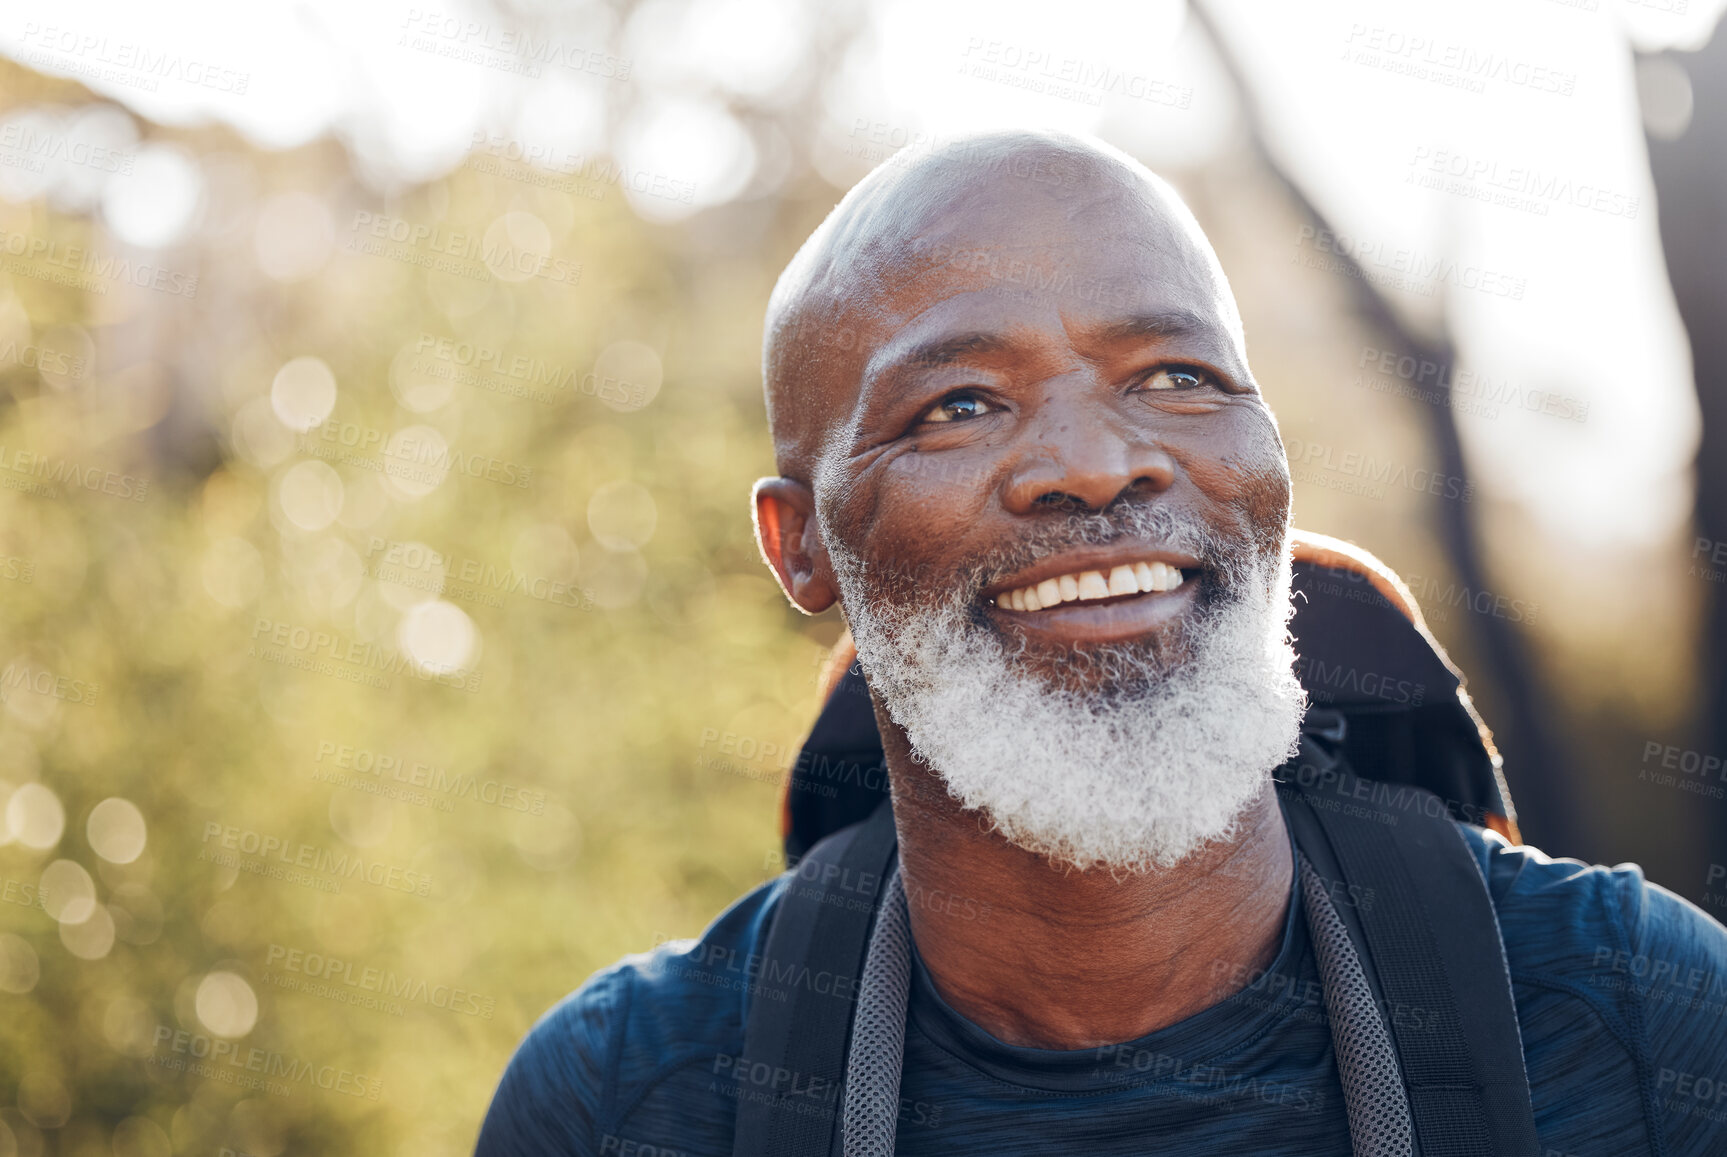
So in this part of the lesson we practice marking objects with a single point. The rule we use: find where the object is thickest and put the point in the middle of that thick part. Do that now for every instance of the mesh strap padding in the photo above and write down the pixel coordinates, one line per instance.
(878, 1034)
(1379, 1124)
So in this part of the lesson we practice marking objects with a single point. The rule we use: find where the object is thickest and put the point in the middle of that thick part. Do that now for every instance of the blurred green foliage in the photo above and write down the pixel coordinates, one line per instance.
(399, 875)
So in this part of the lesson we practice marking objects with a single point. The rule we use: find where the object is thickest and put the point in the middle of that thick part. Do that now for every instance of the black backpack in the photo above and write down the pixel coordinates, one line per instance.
(1386, 701)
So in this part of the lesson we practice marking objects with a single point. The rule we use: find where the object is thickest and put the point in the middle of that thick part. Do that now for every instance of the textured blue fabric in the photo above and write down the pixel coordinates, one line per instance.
(1621, 992)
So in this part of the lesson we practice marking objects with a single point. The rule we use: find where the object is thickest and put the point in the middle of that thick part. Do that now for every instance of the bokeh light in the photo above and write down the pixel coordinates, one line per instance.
(310, 495)
(19, 966)
(91, 938)
(438, 636)
(116, 830)
(303, 393)
(155, 204)
(35, 817)
(226, 1004)
(68, 892)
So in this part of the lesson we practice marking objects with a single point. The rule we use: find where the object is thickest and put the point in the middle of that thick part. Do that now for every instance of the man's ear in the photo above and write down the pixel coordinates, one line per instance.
(791, 545)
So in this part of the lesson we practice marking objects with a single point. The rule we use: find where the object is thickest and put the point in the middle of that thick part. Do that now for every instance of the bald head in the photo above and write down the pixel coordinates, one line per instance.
(1015, 214)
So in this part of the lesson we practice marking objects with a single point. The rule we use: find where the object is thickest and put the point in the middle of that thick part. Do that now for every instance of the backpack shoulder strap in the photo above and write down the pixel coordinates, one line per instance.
(1424, 916)
(1421, 912)
(798, 1025)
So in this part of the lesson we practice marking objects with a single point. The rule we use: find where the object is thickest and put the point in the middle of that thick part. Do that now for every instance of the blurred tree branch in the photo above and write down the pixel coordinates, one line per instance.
(1535, 761)
(1690, 176)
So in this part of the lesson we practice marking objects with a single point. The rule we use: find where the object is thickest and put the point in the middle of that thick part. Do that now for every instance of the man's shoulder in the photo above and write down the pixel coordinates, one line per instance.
(1621, 990)
(1565, 918)
(629, 1026)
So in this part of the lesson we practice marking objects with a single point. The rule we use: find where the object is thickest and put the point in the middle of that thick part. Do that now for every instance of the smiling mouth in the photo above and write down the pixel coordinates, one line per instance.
(1119, 583)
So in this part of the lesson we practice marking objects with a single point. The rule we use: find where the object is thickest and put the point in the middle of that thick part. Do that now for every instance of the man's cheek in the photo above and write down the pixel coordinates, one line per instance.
(1255, 490)
(1254, 476)
(905, 519)
(1265, 501)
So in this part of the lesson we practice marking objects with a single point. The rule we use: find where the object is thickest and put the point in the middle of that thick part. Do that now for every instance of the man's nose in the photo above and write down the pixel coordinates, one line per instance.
(1085, 460)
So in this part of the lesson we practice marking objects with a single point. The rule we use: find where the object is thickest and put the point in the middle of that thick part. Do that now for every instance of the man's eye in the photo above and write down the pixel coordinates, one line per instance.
(1173, 378)
(957, 408)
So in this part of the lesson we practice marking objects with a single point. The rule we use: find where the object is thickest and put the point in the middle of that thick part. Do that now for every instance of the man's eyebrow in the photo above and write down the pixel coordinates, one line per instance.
(947, 350)
(1169, 323)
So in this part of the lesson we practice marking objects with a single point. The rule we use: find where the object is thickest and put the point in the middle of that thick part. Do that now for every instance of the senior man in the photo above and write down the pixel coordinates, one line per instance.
(1019, 444)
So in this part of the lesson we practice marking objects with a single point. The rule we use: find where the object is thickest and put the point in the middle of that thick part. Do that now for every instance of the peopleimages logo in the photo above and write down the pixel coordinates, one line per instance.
(42, 681)
(230, 1062)
(32, 148)
(1434, 382)
(1438, 597)
(523, 51)
(1405, 268)
(1449, 63)
(30, 466)
(418, 567)
(343, 865)
(47, 259)
(65, 363)
(327, 653)
(1140, 1067)
(125, 62)
(416, 455)
(38, 473)
(803, 1093)
(24, 894)
(1309, 458)
(310, 971)
(438, 247)
(1695, 770)
(1511, 186)
(586, 173)
(414, 773)
(1069, 77)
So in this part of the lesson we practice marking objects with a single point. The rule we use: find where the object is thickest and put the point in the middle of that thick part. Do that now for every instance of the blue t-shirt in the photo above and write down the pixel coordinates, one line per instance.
(1620, 986)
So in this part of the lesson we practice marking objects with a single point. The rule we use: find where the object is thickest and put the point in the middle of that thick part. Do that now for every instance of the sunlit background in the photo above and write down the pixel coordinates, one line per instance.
(382, 643)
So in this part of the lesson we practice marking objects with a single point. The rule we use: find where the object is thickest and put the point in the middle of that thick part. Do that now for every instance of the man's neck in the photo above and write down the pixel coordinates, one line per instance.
(1073, 960)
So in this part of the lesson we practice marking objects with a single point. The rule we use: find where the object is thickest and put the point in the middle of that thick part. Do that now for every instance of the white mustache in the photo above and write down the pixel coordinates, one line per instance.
(1229, 563)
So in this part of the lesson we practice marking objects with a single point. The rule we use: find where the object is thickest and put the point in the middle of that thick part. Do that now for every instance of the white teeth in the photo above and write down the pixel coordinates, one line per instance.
(1125, 579)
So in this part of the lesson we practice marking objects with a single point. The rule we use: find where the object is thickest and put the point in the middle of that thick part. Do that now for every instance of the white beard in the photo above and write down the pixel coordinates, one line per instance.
(1130, 777)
